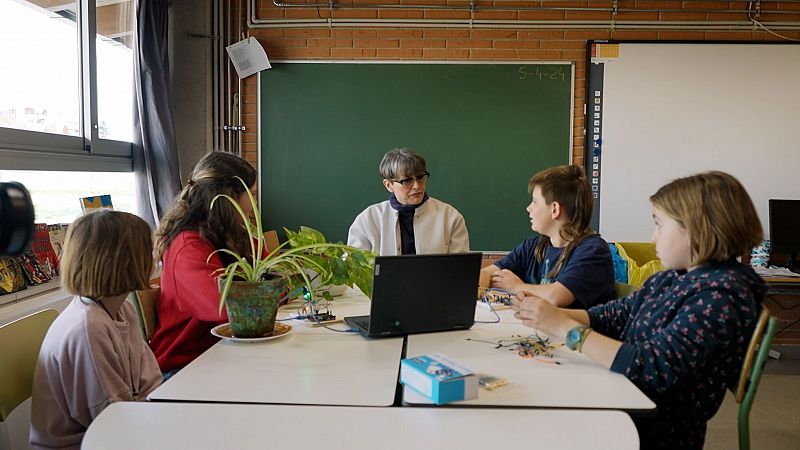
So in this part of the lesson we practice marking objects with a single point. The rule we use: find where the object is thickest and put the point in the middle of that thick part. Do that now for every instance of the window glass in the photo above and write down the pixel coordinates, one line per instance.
(115, 70)
(39, 69)
(56, 195)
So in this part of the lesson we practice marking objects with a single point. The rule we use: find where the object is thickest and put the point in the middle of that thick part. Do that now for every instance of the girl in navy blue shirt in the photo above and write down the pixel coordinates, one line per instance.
(681, 338)
(567, 264)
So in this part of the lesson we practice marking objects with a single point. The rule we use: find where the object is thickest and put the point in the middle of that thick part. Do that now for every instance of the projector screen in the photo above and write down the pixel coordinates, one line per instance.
(667, 110)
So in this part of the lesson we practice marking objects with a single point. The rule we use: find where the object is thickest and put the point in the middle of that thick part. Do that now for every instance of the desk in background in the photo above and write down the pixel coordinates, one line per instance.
(784, 296)
(131, 425)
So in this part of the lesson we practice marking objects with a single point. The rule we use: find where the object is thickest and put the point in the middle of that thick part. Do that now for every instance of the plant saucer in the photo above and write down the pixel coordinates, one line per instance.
(224, 331)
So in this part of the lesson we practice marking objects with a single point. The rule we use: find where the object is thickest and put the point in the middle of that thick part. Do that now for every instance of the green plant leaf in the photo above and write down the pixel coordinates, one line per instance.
(305, 250)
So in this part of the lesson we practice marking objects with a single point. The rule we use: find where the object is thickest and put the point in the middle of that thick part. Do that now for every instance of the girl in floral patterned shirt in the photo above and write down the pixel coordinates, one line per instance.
(682, 337)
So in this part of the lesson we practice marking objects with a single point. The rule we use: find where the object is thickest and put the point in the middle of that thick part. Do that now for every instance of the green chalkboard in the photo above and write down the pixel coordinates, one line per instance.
(483, 129)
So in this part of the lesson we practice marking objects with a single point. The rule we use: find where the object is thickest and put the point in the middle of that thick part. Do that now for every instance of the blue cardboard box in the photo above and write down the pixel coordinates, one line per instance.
(439, 378)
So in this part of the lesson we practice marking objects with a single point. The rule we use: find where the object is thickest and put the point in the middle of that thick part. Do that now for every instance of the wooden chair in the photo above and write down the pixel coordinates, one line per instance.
(749, 379)
(20, 342)
(146, 304)
(271, 240)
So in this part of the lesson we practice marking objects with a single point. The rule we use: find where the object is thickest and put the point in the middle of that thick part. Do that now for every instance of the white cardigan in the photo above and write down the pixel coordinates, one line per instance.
(438, 228)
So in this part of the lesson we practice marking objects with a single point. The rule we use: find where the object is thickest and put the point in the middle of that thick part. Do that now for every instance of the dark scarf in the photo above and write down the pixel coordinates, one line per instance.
(406, 217)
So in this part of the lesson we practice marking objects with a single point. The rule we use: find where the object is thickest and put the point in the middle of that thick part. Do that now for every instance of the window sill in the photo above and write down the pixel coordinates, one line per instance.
(31, 291)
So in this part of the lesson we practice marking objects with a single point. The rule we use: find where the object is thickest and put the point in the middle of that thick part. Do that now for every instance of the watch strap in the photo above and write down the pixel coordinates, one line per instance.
(584, 334)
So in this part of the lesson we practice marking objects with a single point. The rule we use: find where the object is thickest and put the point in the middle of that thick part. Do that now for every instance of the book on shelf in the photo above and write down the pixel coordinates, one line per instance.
(57, 233)
(96, 202)
(43, 249)
(11, 277)
(33, 272)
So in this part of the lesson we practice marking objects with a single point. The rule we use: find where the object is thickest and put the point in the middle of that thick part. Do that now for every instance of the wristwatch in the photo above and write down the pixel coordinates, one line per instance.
(576, 336)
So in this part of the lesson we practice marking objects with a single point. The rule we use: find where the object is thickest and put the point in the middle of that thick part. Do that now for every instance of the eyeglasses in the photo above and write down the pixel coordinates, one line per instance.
(408, 182)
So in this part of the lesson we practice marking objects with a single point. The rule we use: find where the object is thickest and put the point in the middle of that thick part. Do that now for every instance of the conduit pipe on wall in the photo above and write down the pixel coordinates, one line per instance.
(256, 22)
(471, 6)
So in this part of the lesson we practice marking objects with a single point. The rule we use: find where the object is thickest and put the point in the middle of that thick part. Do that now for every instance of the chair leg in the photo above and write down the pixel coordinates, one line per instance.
(752, 388)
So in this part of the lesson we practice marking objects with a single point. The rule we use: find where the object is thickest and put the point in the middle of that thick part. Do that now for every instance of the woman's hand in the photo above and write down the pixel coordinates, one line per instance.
(507, 280)
(542, 315)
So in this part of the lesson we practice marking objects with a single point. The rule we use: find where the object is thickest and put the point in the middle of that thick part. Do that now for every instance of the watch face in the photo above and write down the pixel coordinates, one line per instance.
(573, 336)
(574, 333)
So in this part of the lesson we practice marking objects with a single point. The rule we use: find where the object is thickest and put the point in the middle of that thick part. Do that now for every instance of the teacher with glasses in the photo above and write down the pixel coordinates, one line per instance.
(409, 222)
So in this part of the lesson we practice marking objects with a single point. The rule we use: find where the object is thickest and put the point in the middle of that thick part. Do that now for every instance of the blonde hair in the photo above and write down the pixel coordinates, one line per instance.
(716, 211)
(106, 253)
(568, 186)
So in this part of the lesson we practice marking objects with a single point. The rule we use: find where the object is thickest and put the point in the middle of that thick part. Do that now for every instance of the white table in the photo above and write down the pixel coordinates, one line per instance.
(352, 303)
(577, 382)
(129, 425)
(311, 366)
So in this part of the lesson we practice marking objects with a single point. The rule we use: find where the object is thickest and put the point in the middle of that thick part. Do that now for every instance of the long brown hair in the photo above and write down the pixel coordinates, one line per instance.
(568, 186)
(716, 211)
(214, 174)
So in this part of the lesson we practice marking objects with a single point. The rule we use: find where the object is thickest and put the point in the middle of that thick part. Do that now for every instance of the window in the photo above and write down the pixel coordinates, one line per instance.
(114, 41)
(56, 195)
(66, 100)
(33, 99)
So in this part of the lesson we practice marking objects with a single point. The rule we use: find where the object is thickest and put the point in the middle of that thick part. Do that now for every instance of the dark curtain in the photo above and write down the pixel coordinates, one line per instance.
(155, 157)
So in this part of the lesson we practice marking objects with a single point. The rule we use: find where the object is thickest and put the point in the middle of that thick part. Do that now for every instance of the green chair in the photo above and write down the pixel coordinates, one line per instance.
(749, 379)
(20, 342)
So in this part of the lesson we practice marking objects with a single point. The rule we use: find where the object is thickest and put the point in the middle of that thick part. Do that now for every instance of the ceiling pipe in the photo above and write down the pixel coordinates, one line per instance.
(255, 22)
(475, 8)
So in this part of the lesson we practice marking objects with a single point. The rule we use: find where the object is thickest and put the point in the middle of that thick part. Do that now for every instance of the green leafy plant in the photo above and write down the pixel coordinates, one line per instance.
(306, 252)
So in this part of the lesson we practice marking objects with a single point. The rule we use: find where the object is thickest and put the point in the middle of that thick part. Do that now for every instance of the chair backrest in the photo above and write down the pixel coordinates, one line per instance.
(749, 379)
(20, 342)
(146, 304)
(271, 240)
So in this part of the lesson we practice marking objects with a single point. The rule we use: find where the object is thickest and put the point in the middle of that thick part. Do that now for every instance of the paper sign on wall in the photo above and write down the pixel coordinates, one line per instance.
(248, 57)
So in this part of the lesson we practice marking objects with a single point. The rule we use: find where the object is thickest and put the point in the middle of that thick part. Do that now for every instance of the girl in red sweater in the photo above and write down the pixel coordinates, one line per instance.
(189, 232)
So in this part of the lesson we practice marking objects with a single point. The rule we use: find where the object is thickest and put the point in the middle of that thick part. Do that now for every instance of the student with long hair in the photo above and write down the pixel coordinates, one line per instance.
(189, 233)
(682, 337)
(94, 353)
(567, 263)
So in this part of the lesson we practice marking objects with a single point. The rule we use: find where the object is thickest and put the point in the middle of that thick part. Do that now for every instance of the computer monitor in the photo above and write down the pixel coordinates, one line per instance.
(784, 230)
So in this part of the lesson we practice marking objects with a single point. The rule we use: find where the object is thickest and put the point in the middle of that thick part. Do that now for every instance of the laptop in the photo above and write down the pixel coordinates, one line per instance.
(420, 294)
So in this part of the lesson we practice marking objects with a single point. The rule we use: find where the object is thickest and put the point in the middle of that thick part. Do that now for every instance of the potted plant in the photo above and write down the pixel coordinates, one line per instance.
(252, 287)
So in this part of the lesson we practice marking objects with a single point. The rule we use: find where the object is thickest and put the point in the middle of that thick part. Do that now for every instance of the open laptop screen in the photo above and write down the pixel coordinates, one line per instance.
(421, 293)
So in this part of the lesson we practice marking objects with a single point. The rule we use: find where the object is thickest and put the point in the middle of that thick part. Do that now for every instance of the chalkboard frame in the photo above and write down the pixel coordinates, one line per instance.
(563, 153)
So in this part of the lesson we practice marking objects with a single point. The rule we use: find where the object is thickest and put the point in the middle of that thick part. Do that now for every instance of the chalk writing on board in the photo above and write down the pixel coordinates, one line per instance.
(542, 73)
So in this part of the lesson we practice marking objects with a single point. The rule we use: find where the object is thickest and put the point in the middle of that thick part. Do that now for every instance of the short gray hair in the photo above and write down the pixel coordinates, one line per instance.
(403, 162)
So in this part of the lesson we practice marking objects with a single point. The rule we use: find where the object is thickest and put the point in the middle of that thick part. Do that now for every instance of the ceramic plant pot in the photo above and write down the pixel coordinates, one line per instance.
(253, 305)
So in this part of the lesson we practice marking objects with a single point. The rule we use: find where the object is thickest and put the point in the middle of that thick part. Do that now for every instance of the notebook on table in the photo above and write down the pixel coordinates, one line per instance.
(420, 294)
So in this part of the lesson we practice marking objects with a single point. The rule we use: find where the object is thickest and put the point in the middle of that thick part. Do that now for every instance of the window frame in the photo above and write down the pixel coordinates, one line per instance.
(35, 150)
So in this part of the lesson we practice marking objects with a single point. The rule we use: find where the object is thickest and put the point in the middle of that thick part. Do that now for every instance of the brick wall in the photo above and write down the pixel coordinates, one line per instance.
(506, 44)
(500, 44)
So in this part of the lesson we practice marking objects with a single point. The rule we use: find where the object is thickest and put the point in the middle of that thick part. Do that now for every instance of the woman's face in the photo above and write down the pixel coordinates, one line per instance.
(673, 245)
(409, 189)
(244, 201)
